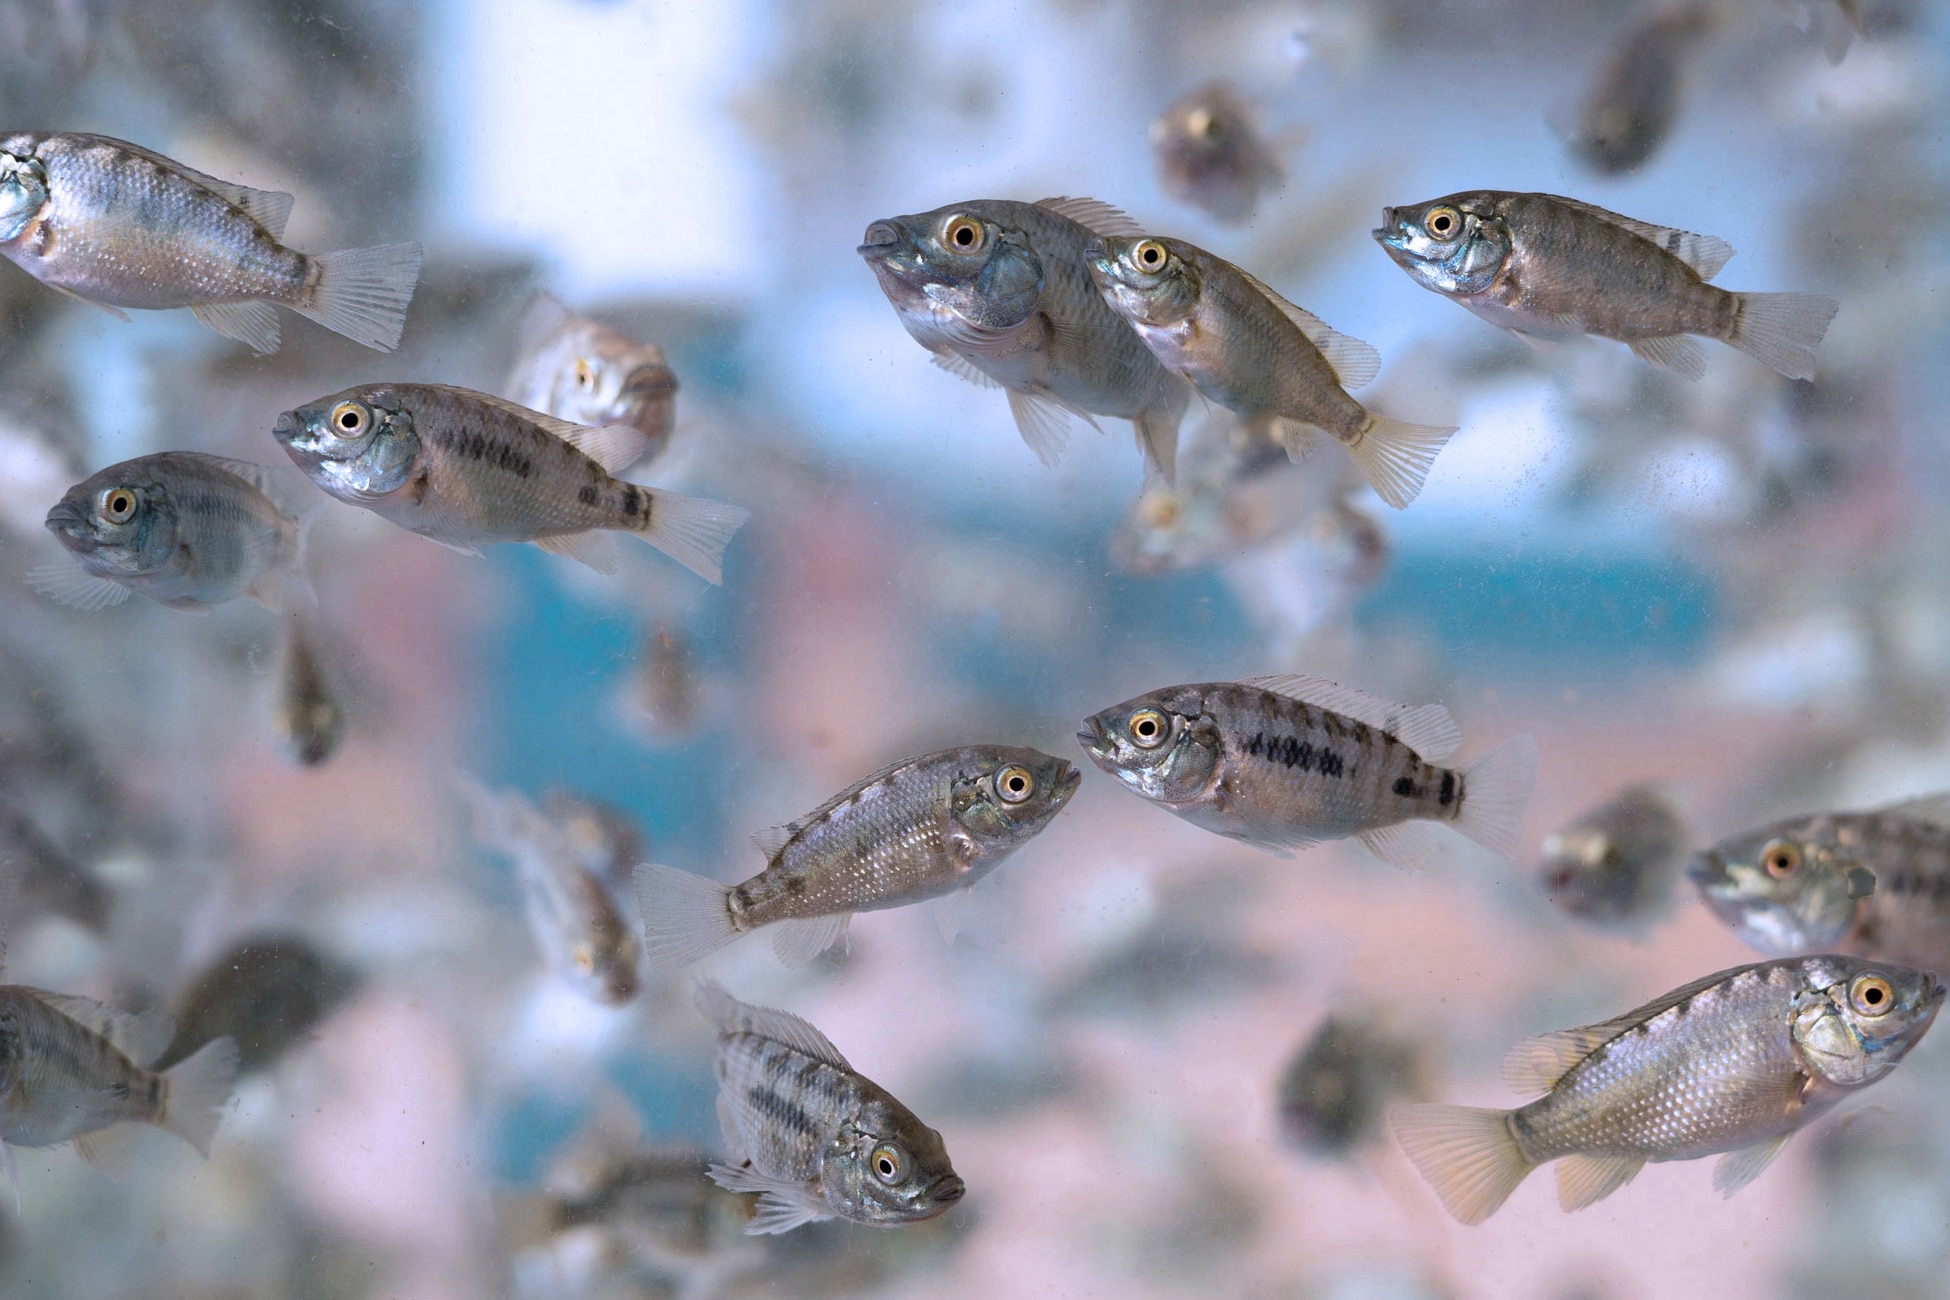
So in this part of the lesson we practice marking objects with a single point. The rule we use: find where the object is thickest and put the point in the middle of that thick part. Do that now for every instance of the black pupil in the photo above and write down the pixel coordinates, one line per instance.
(1442, 224)
(886, 1165)
(1872, 996)
(1146, 727)
(349, 420)
(964, 235)
(1015, 785)
(1150, 257)
(118, 503)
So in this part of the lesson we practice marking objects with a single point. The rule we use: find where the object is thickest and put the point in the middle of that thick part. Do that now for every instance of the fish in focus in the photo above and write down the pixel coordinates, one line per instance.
(582, 371)
(184, 529)
(1635, 94)
(1873, 884)
(1251, 351)
(1210, 154)
(1732, 1065)
(813, 1137)
(266, 993)
(308, 717)
(922, 828)
(1616, 864)
(113, 224)
(998, 292)
(1547, 267)
(1335, 1091)
(1285, 762)
(465, 470)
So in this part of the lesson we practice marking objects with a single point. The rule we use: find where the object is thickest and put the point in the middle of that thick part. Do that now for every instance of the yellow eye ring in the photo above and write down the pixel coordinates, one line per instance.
(585, 374)
(1015, 783)
(889, 1163)
(350, 419)
(1781, 858)
(1150, 256)
(964, 234)
(1871, 995)
(1443, 222)
(1149, 728)
(118, 505)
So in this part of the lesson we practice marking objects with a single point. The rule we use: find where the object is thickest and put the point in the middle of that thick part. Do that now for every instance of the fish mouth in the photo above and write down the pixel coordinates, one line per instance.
(286, 429)
(948, 1190)
(882, 240)
(67, 518)
(650, 381)
(1094, 740)
(1067, 781)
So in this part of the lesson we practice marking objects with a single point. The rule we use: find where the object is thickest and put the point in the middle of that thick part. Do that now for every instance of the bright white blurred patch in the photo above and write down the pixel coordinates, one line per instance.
(1499, 471)
(32, 478)
(1822, 659)
(558, 1021)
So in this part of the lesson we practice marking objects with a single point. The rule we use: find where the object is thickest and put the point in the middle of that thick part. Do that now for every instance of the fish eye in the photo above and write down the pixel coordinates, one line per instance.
(585, 374)
(584, 957)
(1148, 728)
(350, 419)
(964, 234)
(1871, 995)
(889, 1163)
(1149, 255)
(1200, 122)
(118, 505)
(1015, 783)
(1442, 221)
(1781, 858)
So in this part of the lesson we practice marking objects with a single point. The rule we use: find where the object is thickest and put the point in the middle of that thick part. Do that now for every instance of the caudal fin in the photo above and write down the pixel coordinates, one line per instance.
(363, 293)
(1395, 457)
(1468, 1156)
(1782, 330)
(1496, 789)
(195, 1092)
(693, 531)
(685, 918)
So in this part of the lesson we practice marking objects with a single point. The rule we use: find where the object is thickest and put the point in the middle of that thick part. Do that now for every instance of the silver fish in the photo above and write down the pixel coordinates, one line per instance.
(1210, 154)
(184, 529)
(1616, 864)
(466, 469)
(815, 1138)
(1737, 1062)
(998, 292)
(308, 716)
(1635, 94)
(921, 828)
(1251, 351)
(1285, 762)
(1340, 1083)
(582, 371)
(1548, 267)
(116, 225)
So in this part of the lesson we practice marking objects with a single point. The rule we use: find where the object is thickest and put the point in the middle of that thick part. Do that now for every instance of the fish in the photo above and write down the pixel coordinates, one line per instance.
(1285, 762)
(1731, 1065)
(117, 225)
(1548, 267)
(580, 370)
(1616, 864)
(1211, 154)
(581, 930)
(465, 469)
(659, 1204)
(46, 880)
(665, 691)
(308, 717)
(266, 992)
(1246, 348)
(812, 1136)
(998, 292)
(1335, 1091)
(606, 839)
(1635, 94)
(924, 827)
(185, 529)
(1871, 884)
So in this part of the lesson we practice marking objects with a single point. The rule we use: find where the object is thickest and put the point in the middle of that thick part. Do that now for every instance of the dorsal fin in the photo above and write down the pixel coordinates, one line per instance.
(541, 319)
(1706, 254)
(773, 838)
(734, 1017)
(1536, 1064)
(1094, 215)
(140, 1038)
(1355, 363)
(258, 476)
(1425, 728)
(268, 208)
(1932, 808)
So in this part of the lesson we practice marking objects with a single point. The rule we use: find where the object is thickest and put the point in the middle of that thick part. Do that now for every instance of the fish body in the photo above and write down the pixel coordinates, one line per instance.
(918, 829)
(467, 470)
(308, 716)
(1251, 351)
(1548, 267)
(1636, 93)
(117, 225)
(606, 839)
(1616, 864)
(582, 371)
(1211, 154)
(1734, 1063)
(1341, 1082)
(666, 691)
(1285, 762)
(813, 1136)
(266, 993)
(999, 293)
(186, 530)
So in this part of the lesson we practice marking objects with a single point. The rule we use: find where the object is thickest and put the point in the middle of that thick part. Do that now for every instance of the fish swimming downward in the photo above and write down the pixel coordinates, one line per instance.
(1211, 154)
(921, 828)
(465, 469)
(1735, 1063)
(307, 714)
(1616, 864)
(1285, 762)
(113, 224)
(999, 293)
(1635, 93)
(1251, 351)
(814, 1137)
(582, 371)
(1547, 267)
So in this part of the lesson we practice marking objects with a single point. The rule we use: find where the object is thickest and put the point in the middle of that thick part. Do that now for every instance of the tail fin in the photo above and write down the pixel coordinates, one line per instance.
(1395, 457)
(685, 918)
(1468, 1156)
(1781, 330)
(693, 531)
(195, 1092)
(1496, 788)
(363, 293)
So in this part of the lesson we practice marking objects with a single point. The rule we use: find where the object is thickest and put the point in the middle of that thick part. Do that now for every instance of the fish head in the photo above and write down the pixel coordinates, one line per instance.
(1583, 872)
(1164, 745)
(599, 376)
(1456, 245)
(1856, 1019)
(956, 268)
(1789, 888)
(23, 194)
(120, 523)
(1145, 280)
(888, 1167)
(1004, 795)
(358, 445)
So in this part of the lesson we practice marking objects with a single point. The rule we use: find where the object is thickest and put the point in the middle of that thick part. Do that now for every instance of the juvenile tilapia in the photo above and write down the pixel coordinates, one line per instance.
(1616, 864)
(1549, 267)
(1636, 91)
(308, 717)
(1211, 155)
(1285, 762)
(266, 992)
(466, 469)
(184, 529)
(116, 225)
(1874, 884)
(999, 293)
(918, 829)
(813, 1137)
(1736, 1063)
(606, 839)
(1251, 351)
(1341, 1082)
(582, 371)
(665, 691)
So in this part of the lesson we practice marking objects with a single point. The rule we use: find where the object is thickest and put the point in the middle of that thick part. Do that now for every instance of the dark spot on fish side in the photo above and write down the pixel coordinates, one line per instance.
(779, 1110)
(588, 495)
(1405, 787)
(1449, 792)
(632, 500)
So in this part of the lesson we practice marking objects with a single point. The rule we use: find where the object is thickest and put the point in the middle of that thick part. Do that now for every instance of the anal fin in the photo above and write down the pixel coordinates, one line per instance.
(1736, 1169)
(106, 1149)
(252, 322)
(1407, 845)
(1678, 353)
(595, 549)
(1587, 1179)
(799, 940)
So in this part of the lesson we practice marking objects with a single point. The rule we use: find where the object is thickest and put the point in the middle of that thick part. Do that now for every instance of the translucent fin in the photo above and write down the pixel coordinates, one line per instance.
(1407, 845)
(685, 917)
(782, 1206)
(799, 940)
(1425, 728)
(541, 319)
(595, 549)
(141, 1038)
(116, 312)
(1736, 1169)
(1355, 363)
(1300, 440)
(615, 447)
(773, 838)
(1496, 789)
(1044, 425)
(1535, 1065)
(1934, 808)
(1706, 254)
(1676, 352)
(693, 531)
(962, 368)
(734, 1017)
(734, 1141)
(1157, 436)
(67, 584)
(253, 323)
(270, 209)
(363, 293)
(106, 1149)
(948, 911)
(1095, 215)
(1267, 832)
(1468, 1156)
(1782, 330)
(1395, 457)
(1586, 1180)
(196, 1091)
